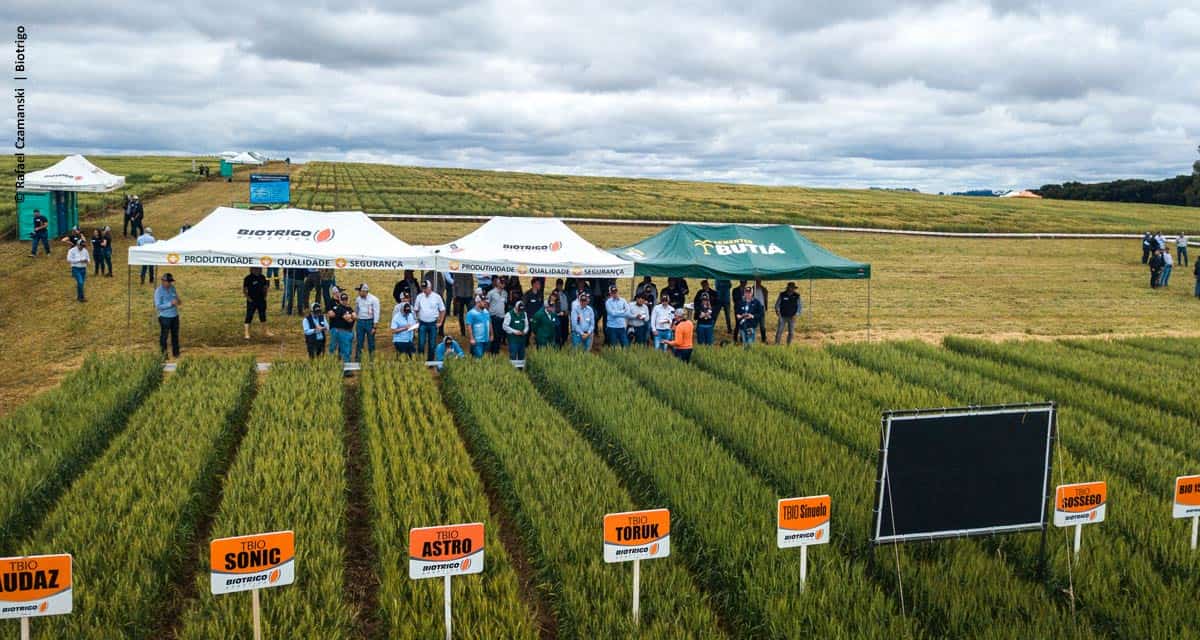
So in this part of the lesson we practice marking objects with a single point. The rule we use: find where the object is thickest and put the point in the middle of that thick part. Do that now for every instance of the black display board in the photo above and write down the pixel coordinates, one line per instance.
(960, 472)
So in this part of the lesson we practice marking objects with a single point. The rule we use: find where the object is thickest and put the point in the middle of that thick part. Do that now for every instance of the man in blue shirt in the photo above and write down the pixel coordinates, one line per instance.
(479, 323)
(616, 310)
(166, 302)
(583, 322)
(146, 238)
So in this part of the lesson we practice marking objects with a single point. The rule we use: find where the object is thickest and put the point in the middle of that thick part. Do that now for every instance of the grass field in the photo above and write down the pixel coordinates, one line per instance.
(146, 176)
(540, 457)
(414, 190)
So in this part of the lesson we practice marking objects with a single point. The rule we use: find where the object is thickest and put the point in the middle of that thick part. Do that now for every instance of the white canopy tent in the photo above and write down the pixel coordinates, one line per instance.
(243, 158)
(73, 173)
(295, 238)
(529, 247)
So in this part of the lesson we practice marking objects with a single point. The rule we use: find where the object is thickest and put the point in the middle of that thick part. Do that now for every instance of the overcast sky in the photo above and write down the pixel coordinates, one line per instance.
(922, 93)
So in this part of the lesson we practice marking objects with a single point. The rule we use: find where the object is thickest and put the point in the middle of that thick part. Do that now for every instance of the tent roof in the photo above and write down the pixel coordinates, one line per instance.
(243, 158)
(298, 238)
(529, 246)
(73, 173)
(736, 251)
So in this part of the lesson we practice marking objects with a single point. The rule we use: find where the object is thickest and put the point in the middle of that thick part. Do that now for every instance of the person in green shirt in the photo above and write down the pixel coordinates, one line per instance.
(516, 325)
(544, 324)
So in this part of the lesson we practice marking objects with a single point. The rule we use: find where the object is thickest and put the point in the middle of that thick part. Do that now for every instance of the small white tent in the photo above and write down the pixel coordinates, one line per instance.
(298, 238)
(243, 158)
(73, 173)
(529, 247)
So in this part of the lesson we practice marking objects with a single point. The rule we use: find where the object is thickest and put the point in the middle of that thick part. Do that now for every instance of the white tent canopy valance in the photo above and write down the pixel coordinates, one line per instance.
(73, 173)
(529, 247)
(294, 238)
(244, 158)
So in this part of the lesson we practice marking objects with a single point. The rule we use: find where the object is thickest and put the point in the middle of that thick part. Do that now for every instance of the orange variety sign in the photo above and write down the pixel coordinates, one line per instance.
(803, 521)
(452, 550)
(243, 563)
(1187, 497)
(637, 535)
(35, 586)
(1081, 503)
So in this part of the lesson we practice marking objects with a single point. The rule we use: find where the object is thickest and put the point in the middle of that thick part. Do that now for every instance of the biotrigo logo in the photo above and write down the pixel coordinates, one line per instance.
(321, 235)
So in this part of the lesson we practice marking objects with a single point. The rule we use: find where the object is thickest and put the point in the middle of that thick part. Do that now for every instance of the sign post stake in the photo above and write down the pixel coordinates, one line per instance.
(447, 583)
(803, 566)
(637, 588)
(1195, 530)
(256, 610)
(25, 628)
(1078, 537)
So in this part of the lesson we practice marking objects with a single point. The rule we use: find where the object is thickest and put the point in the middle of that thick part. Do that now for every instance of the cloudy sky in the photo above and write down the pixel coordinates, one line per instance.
(923, 93)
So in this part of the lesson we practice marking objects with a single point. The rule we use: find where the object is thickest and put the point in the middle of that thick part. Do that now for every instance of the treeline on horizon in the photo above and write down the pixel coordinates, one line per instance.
(1183, 190)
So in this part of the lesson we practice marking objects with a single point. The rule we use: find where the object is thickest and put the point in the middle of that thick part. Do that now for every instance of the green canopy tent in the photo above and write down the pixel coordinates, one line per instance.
(739, 251)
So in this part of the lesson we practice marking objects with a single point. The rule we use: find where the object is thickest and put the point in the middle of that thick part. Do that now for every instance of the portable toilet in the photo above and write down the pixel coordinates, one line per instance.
(61, 209)
(226, 169)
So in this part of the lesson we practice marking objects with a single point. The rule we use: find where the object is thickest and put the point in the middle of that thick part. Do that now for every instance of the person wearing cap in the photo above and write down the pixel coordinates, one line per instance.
(662, 319)
(41, 233)
(616, 314)
(639, 320)
(73, 236)
(166, 302)
(647, 289)
(431, 313)
(408, 284)
(78, 258)
(146, 238)
(747, 312)
(479, 323)
(583, 322)
(366, 307)
(316, 330)
(463, 286)
(341, 324)
(705, 291)
(255, 287)
(136, 216)
(447, 347)
(706, 318)
(681, 339)
(787, 306)
(544, 324)
(497, 303)
(404, 327)
(516, 326)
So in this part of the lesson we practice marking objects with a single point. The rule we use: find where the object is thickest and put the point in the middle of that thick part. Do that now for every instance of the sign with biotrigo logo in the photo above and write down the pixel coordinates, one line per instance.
(637, 535)
(452, 550)
(306, 235)
(33, 586)
(736, 246)
(1082, 503)
(803, 522)
(245, 563)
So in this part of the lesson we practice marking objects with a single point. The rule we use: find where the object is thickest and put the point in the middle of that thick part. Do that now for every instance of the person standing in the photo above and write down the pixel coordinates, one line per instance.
(724, 301)
(255, 287)
(328, 283)
(616, 314)
(97, 252)
(647, 289)
(675, 292)
(761, 295)
(126, 212)
(341, 323)
(316, 331)
(1160, 241)
(106, 246)
(748, 311)
(543, 326)
(73, 236)
(706, 319)
(1181, 247)
(583, 322)
(1196, 274)
(681, 339)
(366, 308)
(404, 328)
(497, 302)
(41, 233)
(431, 313)
(1168, 266)
(787, 306)
(1156, 268)
(516, 326)
(408, 284)
(137, 216)
(287, 300)
(535, 297)
(662, 319)
(564, 317)
(463, 287)
(78, 258)
(639, 320)
(310, 285)
(166, 302)
(1147, 247)
(479, 323)
(146, 238)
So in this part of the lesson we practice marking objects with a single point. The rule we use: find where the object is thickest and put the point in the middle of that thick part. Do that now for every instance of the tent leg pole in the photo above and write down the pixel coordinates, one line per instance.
(128, 305)
(868, 309)
(810, 302)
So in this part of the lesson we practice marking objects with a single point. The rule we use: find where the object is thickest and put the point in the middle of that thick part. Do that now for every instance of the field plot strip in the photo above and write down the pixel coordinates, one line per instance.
(1186, 347)
(723, 512)
(131, 519)
(796, 460)
(1138, 557)
(557, 490)
(289, 474)
(47, 442)
(420, 475)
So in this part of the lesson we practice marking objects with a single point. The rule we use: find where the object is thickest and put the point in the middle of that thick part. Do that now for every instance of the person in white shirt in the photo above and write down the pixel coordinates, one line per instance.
(1181, 242)
(78, 258)
(1168, 264)
(431, 313)
(662, 320)
(639, 318)
(366, 306)
(497, 298)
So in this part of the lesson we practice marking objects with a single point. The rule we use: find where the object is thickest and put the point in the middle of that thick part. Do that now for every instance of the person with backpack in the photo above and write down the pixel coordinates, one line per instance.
(316, 331)
(787, 306)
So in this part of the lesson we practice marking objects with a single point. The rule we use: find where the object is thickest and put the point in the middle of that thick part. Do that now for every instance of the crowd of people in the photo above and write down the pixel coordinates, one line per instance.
(1157, 256)
(101, 242)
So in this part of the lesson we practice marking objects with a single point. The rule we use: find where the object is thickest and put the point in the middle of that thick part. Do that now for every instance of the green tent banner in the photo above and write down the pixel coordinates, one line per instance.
(738, 251)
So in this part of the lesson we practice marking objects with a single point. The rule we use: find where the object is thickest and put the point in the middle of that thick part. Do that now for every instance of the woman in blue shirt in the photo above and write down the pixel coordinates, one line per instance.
(404, 323)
